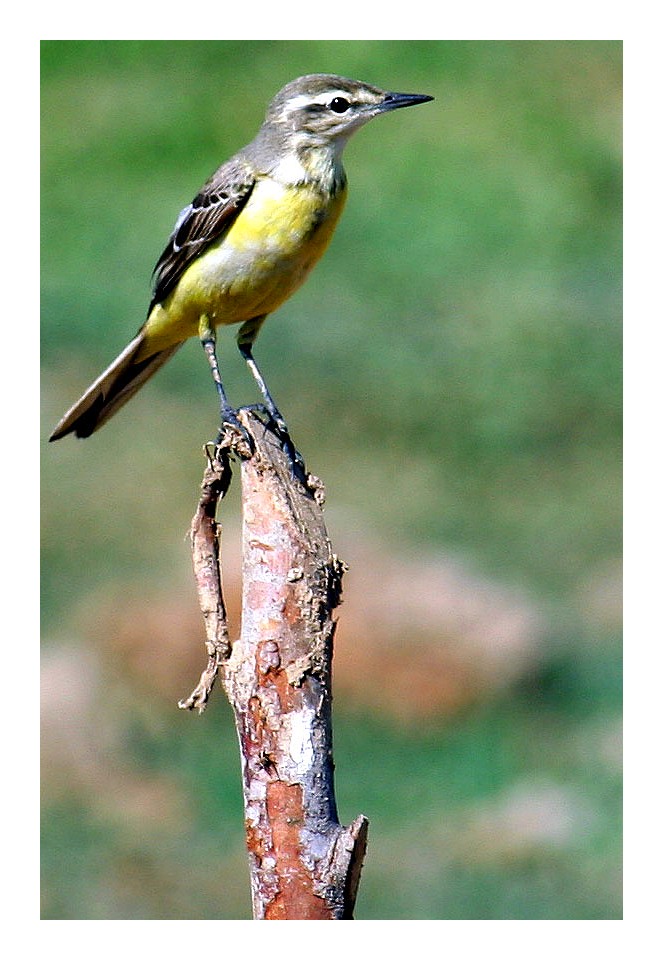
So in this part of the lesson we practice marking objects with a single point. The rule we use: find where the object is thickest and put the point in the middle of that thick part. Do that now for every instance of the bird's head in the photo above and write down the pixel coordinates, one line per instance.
(321, 108)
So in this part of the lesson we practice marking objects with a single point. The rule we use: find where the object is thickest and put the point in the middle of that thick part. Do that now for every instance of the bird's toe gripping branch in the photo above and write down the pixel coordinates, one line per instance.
(277, 426)
(234, 436)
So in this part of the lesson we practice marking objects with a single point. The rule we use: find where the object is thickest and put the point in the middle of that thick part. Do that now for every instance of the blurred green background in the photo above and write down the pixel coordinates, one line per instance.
(452, 370)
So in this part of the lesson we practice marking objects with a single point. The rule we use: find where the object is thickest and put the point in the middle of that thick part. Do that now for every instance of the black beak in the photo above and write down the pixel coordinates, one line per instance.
(392, 101)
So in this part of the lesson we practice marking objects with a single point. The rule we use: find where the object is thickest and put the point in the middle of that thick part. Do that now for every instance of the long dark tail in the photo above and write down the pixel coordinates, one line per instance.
(111, 390)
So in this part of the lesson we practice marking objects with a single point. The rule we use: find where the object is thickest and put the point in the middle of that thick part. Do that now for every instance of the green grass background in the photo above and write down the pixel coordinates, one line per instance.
(452, 369)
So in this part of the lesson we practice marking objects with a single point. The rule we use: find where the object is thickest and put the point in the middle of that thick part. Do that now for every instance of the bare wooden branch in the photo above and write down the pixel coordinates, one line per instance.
(304, 864)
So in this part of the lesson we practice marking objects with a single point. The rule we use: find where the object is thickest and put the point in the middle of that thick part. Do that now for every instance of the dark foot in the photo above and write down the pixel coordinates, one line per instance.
(275, 422)
(295, 459)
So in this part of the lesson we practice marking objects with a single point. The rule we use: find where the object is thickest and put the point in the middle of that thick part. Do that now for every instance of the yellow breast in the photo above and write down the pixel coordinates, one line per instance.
(256, 265)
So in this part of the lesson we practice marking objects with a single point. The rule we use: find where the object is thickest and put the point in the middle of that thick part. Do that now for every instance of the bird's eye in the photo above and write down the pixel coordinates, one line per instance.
(339, 105)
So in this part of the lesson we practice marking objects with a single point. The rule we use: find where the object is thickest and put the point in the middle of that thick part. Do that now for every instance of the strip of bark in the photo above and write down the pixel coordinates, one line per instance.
(206, 555)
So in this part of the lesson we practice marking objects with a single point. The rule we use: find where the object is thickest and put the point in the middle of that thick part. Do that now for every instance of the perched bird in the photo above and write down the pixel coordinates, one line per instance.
(246, 242)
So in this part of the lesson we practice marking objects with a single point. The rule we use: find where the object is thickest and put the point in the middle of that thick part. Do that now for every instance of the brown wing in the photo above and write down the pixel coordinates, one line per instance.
(201, 223)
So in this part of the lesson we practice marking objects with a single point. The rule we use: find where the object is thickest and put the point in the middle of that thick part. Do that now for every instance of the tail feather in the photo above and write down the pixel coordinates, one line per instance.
(111, 390)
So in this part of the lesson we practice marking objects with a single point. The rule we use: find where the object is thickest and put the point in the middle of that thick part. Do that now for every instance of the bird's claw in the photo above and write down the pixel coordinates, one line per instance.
(275, 422)
(234, 434)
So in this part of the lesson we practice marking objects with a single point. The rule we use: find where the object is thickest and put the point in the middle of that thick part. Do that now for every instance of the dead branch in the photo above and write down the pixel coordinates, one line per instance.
(304, 864)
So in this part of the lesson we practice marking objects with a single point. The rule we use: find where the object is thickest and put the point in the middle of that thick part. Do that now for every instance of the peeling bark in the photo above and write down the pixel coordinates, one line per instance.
(304, 864)
(206, 555)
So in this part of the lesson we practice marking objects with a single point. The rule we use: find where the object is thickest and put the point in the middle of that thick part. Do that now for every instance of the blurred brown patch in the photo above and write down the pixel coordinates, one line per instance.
(416, 637)
(421, 636)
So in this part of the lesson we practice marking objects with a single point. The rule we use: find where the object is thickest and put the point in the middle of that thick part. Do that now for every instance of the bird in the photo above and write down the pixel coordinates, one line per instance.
(245, 243)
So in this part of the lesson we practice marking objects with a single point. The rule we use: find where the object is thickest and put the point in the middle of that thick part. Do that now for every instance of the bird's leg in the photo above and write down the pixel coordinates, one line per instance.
(245, 340)
(228, 413)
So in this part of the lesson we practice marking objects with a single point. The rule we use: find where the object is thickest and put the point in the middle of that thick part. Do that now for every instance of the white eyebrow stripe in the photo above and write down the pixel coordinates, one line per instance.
(303, 100)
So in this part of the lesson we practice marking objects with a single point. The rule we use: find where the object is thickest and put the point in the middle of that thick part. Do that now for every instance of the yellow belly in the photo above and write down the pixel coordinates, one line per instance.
(256, 265)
